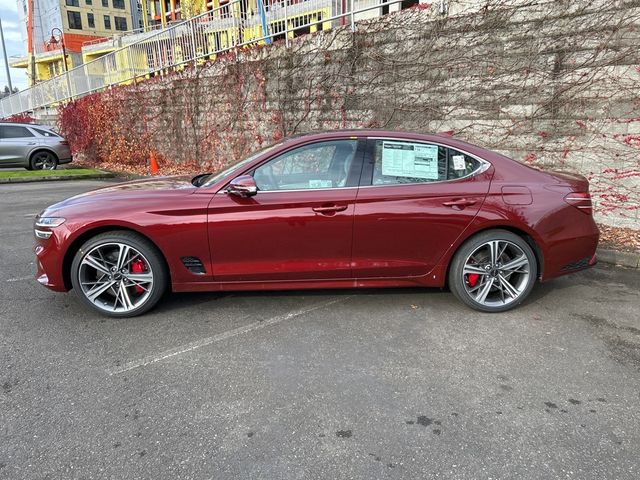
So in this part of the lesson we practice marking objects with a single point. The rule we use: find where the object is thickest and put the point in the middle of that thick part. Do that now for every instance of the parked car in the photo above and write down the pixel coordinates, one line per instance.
(34, 147)
(330, 210)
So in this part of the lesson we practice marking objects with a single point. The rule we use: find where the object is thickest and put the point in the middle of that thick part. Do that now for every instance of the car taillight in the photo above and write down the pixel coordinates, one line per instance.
(580, 200)
(64, 142)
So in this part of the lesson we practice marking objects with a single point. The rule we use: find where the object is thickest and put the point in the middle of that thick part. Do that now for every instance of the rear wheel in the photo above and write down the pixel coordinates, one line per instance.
(493, 271)
(119, 274)
(43, 161)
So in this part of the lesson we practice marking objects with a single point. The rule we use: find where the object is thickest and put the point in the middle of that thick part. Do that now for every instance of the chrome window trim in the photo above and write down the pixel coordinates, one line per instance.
(224, 191)
(484, 164)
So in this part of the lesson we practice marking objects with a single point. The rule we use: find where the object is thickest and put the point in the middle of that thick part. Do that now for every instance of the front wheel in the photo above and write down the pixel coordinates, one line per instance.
(493, 271)
(119, 274)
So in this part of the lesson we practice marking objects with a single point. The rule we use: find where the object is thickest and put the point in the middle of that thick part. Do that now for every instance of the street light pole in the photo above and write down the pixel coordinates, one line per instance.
(64, 58)
(6, 60)
(64, 51)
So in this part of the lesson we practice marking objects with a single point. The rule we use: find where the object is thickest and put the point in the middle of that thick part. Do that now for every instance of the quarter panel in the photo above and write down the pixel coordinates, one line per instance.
(174, 222)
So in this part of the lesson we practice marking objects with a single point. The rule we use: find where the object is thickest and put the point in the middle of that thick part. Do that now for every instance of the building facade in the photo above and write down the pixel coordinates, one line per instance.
(51, 26)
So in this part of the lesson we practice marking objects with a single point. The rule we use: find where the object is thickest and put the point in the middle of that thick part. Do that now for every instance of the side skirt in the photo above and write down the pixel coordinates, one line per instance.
(435, 278)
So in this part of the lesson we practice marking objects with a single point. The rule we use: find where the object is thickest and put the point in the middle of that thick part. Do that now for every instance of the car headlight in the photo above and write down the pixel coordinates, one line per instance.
(47, 222)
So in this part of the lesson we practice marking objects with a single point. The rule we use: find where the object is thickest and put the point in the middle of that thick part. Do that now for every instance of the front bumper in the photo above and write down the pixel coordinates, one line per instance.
(49, 263)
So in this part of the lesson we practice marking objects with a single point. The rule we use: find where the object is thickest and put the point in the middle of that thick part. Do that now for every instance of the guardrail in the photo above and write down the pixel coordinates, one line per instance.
(235, 24)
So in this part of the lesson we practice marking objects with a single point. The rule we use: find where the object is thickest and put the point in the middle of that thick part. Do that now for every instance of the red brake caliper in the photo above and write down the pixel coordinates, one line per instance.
(138, 266)
(472, 278)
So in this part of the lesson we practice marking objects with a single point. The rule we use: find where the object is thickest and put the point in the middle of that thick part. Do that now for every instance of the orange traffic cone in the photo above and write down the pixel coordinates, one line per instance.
(153, 163)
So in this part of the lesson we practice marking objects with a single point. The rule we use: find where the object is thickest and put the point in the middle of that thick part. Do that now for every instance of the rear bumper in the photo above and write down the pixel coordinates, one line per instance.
(65, 160)
(573, 251)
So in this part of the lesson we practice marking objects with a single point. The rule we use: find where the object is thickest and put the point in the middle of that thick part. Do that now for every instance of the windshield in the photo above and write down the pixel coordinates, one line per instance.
(214, 177)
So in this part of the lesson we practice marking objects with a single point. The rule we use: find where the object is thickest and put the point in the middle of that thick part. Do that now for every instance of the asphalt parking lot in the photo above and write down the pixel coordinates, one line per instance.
(314, 385)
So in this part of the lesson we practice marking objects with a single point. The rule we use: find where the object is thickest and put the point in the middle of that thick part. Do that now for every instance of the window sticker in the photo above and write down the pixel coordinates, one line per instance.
(410, 160)
(320, 184)
(459, 162)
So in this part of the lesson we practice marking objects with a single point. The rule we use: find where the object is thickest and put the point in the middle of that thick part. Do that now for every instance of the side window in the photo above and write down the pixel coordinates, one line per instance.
(319, 165)
(44, 133)
(14, 132)
(460, 164)
(397, 162)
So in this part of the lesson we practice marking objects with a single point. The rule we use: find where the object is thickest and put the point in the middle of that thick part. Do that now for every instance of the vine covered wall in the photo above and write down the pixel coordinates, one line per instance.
(552, 84)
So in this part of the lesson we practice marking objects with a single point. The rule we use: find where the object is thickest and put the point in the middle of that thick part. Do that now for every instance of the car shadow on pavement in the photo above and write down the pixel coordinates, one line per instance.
(186, 300)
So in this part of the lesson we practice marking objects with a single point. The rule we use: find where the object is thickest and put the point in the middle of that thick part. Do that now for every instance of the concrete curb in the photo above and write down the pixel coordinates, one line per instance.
(614, 257)
(53, 178)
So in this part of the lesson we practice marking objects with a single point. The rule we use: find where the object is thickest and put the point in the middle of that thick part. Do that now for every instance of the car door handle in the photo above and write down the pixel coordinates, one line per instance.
(32, 143)
(328, 210)
(459, 203)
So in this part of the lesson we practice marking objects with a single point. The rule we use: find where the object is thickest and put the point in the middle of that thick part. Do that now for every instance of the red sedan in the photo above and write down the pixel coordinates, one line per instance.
(330, 210)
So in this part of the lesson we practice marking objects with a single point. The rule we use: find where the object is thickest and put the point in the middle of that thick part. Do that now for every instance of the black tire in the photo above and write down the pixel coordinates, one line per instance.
(460, 286)
(149, 252)
(43, 160)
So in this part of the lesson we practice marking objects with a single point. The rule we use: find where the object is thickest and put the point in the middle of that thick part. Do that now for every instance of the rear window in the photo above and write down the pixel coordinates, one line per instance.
(397, 162)
(45, 133)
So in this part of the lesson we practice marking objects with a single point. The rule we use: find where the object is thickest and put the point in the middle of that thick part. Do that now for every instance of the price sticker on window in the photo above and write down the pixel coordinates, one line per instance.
(410, 160)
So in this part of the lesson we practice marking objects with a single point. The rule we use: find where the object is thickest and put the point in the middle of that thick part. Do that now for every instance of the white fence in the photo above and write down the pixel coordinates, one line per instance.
(201, 38)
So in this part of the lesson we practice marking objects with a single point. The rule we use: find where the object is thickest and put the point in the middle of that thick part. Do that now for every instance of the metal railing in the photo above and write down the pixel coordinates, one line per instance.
(123, 35)
(236, 24)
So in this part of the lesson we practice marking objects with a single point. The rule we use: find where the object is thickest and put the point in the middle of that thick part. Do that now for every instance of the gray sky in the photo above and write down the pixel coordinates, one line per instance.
(13, 40)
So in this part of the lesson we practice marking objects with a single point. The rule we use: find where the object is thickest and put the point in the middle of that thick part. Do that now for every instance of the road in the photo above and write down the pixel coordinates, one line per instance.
(314, 385)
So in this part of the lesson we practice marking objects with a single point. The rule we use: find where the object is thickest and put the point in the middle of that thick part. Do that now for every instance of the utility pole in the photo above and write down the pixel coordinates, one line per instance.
(6, 60)
(31, 43)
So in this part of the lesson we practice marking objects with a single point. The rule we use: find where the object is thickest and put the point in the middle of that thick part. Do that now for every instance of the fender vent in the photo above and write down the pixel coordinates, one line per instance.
(193, 264)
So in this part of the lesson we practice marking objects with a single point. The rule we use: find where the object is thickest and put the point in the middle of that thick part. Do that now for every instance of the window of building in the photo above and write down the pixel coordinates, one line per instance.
(15, 132)
(107, 22)
(118, 4)
(91, 21)
(89, 2)
(121, 23)
(75, 21)
(72, 3)
(105, 3)
(412, 162)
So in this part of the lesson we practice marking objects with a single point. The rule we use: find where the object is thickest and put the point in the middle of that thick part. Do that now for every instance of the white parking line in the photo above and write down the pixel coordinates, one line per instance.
(20, 279)
(219, 337)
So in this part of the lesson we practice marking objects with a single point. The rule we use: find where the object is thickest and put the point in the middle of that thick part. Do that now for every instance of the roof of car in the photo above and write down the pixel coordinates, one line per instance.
(22, 124)
(446, 138)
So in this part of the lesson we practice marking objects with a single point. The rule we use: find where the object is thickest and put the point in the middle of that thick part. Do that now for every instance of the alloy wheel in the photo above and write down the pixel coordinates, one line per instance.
(496, 273)
(115, 277)
(44, 161)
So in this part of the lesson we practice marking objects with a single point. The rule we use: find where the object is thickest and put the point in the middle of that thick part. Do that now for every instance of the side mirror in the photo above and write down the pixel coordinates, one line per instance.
(243, 186)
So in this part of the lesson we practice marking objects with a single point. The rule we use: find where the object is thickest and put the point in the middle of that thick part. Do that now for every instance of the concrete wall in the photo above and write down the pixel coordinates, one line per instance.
(553, 84)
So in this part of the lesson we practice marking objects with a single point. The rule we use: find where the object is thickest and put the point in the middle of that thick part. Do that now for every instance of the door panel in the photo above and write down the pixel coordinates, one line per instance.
(15, 144)
(299, 225)
(404, 229)
(279, 236)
